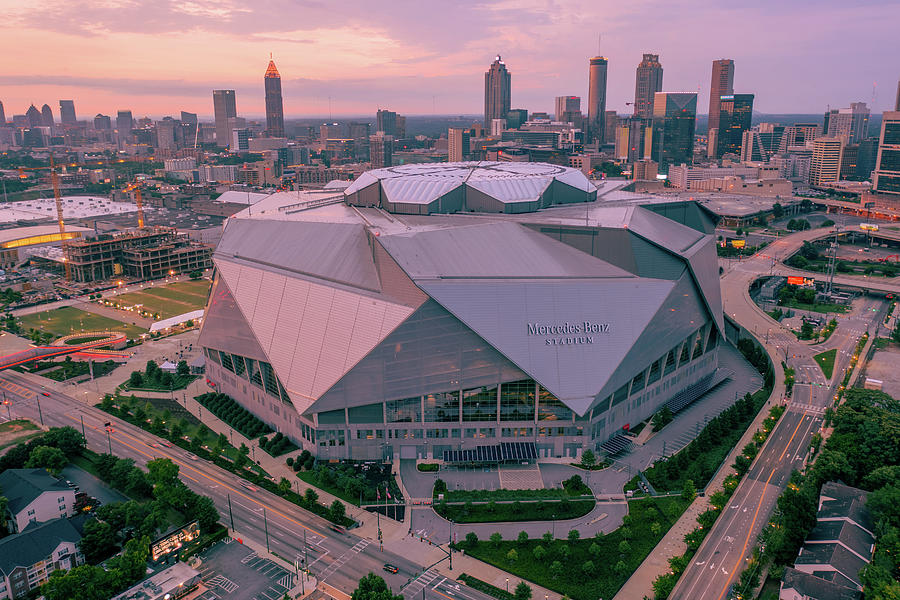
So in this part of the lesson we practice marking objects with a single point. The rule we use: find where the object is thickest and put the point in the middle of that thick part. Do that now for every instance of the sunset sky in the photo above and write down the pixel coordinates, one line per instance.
(158, 57)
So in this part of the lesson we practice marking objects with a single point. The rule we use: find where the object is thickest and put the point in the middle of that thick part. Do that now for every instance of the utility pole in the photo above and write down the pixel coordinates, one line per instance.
(230, 515)
(266, 525)
(83, 434)
(40, 413)
(831, 262)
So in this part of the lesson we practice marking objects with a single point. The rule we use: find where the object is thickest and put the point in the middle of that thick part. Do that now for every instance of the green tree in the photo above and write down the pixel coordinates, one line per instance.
(67, 439)
(688, 492)
(806, 330)
(162, 471)
(136, 380)
(496, 538)
(45, 457)
(539, 553)
(574, 534)
(624, 548)
(556, 569)
(523, 538)
(97, 541)
(621, 568)
(85, 582)
(594, 550)
(373, 587)
(588, 460)
(204, 509)
(284, 486)
(777, 210)
(655, 528)
(310, 496)
(588, 567)
(471, 539)
(547, 537)
(512, 556)
(662, 418)
(523, 591)
(182, 370)
(337, 512)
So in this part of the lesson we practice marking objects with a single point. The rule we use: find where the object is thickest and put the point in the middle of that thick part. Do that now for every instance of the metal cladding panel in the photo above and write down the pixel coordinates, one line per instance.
(690, 214)
(480, 202)
(653, 261)
(704, 263)
(660, 230)
(430, 351)
(512, 190)
(288, 322)
(361, 182)
(572, 364)
(248, 290)
(271, 292)
(417, 190)
(494, 249)
(680, 314)
(224, 327)
(311, 339)
(337, 251)
(338, 326)
(395, 283)
(577, 180)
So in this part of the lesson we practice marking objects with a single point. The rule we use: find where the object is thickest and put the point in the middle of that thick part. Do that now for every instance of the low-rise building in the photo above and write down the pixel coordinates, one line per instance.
(168, 584)
(34, 496)
(28, 558)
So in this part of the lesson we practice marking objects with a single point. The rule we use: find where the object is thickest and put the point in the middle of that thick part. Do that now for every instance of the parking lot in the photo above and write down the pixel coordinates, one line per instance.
(233, 571)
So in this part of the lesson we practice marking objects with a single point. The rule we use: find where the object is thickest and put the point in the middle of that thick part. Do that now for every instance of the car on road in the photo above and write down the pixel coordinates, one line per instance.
(165, 443)
(192, 456)
(248, 486)
(390, 568)
(45, 394)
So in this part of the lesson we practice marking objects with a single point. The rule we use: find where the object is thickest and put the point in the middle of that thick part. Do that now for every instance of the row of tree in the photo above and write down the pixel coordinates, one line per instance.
(238, 417)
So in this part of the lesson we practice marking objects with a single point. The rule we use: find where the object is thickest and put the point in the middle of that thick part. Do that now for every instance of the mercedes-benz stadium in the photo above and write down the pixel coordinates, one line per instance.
(481, 311)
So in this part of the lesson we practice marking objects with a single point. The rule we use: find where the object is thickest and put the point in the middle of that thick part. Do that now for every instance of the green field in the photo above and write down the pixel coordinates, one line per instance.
(826, 361)
(66, 320)
(169, 301)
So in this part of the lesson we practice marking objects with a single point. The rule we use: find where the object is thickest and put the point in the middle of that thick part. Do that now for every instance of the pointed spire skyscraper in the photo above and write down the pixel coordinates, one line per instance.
(274, 103)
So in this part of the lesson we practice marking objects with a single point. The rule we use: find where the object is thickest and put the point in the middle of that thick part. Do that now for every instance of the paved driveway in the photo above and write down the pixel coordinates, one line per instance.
(92, 486)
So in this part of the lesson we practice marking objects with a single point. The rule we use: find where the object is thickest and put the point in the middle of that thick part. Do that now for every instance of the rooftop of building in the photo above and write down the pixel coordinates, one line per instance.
(161, 582)
(15, 234)
(37, 542)
(22, 486)
(812, 586)
(74, 207)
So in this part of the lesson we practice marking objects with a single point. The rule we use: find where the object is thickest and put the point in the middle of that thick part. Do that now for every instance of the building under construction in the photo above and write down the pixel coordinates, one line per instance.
(147, 253)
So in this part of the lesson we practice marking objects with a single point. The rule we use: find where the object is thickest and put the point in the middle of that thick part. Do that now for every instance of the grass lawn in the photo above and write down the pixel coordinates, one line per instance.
(609, 568)
(169, 301)
(826, 361)
(501, 512)
(66, 320)
(17, 425)
(820, 307)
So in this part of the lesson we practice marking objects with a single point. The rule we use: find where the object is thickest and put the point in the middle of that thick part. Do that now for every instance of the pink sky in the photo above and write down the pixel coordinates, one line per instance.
(424, 57)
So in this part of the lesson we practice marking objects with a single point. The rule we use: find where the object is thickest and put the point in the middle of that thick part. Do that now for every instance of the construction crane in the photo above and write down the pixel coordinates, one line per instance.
(54, 180)
(136, 188)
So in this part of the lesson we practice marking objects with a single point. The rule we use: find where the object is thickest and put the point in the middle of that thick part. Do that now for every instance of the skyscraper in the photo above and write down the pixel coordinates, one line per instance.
(386, 121)
(722, 84)
(886, 179)
(2, 116)
(458, 144)
(597, 99)
(67, 112)
(852, 122)
(497, 89)
(33, 117)
(735, 113)
(124, 122)
(189, 124)
(224, 109)
(274, 103)
(566, 106)
(47, 115)
(897, 101)
(516, 117)
(826, 161)
(102, 122)
(647, 81)
(381, 148)
(674, 120)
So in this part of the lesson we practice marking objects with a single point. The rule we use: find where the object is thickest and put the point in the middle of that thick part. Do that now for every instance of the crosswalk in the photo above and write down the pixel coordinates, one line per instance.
(421, 582)
(342, 560)
(17, 389)
(223, 582)
(808, 408)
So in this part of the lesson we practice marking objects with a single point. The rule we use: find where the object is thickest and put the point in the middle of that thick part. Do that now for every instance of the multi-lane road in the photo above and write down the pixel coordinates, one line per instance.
(717, 565)
(338, 559)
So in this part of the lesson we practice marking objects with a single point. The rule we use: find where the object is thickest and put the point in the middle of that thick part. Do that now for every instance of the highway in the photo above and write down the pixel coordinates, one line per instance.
(338, 559)
(721, 558)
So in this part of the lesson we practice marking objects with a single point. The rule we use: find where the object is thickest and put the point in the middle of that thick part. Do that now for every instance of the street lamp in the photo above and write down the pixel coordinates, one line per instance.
(507, 585)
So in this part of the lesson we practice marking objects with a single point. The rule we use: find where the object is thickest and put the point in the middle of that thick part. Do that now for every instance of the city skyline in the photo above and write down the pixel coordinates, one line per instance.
(353, 62)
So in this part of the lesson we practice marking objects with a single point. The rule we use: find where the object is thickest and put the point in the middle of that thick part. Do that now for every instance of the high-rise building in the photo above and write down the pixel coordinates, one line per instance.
(401, 127)
(274, 104)
(735, 114)
(386, 121)
(647, 81)
(897, 101)
(852, 122)
(497, 90)
(224, 108)
(124, 122)
(567, 107)
(886, 178)
(867, 157)
(597, 67)
(825, 167)
(458, 144)
(102, 122)
(33, 117)
(2, 116)
(722, 84)
(631, 138)
(798, 134)
(240, 139)
(516, 117)
(761, 142)
(381, 150)
(47, 116)
(674, 121)
(67, 112)
(612, 123)
(190, 124)
(331, 131)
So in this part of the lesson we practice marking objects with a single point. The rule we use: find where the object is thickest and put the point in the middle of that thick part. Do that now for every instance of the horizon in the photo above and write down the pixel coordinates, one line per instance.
(400, 57)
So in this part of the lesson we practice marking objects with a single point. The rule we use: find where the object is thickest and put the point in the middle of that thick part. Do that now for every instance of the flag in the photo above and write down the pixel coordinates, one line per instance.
(387, 492)
(378, 493)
